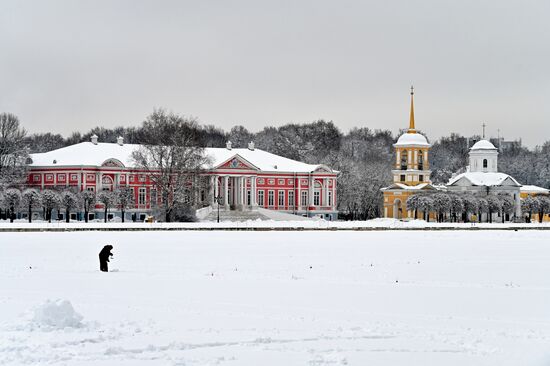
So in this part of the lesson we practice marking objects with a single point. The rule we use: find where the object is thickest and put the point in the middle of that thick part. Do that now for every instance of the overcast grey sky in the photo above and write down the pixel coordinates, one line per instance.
(72, 65)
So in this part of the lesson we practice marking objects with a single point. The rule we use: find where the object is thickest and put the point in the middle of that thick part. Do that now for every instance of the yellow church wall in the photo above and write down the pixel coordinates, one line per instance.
(389, 201)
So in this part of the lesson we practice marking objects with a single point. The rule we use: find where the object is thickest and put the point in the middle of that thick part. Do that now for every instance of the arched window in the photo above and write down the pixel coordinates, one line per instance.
(404, 160)
(484, 163)
(420, 160)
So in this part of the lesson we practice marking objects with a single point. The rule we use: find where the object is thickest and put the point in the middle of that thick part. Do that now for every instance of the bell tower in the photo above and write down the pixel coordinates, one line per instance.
(412, 166)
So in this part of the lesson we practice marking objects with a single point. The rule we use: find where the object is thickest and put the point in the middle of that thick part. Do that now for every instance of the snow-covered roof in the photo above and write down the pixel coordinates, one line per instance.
(90, 154)
(412, 139)
(483, 178)
(483, 145)
(534, 189)
(416, 187)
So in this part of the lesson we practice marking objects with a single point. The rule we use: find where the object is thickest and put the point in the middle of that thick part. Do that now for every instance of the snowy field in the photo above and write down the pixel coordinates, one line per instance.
(276, 298)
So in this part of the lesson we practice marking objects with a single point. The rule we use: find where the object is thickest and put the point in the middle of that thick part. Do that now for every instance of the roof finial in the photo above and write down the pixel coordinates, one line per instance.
(484, 129)
(411, 122)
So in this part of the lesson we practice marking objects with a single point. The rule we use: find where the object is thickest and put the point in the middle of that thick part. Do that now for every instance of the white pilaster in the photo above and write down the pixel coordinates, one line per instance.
(311, 190)
(299, 203)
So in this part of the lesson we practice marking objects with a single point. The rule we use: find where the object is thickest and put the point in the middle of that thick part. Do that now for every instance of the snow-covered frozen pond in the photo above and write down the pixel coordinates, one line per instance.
(276, 298)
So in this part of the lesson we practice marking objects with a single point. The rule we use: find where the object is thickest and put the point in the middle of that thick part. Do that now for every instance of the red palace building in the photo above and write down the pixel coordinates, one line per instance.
(244, 178)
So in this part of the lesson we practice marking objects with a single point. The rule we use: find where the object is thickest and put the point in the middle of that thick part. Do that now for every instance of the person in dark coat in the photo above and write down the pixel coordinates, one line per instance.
(104, 256)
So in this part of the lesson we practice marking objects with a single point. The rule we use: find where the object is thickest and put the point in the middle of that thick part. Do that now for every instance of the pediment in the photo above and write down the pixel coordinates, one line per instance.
(509, 182)
(323, 168)
(237, 162)
(462, 182)
(113, 163)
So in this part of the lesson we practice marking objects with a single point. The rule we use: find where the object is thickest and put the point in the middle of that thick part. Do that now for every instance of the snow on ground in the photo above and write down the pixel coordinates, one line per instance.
(276, 298)
(301, 222)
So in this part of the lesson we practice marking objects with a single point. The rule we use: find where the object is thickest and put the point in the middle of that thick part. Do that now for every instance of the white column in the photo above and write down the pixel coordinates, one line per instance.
(226, 191)
(211, 191)
(243, 191)
(311, 190)
(216, 186)
(334, 193)
(325, 192)
(99, 181)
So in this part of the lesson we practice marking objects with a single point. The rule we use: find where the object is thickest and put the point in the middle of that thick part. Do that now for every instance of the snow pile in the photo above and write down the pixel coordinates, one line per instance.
(57, 314)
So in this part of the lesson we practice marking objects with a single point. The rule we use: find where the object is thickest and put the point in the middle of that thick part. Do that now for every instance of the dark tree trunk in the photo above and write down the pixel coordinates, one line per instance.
(105, 218)
(122, 211)
(30, 213)
(541, 216)
(49, 215)
(85, 215)
(67, 213)
(12, 214)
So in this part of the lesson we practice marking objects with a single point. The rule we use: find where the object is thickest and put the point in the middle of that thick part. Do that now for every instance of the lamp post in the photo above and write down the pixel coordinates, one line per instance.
(219, 200)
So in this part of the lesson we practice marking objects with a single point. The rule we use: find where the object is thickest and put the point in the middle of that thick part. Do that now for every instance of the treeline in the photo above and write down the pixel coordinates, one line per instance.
(363, 156)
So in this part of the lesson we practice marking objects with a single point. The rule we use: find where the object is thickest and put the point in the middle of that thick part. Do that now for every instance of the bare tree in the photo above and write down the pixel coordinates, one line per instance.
(12, 198)
(544, 206)
(13, 153)
(507, 205)
(50, 201)
(471, 206)
(457, 206)
(88, 199)
(483, 207)
(171, 156)
(124, 199)
(108, 199)
(494, 205)
(69, 201)
(413, 204)
(31, 199)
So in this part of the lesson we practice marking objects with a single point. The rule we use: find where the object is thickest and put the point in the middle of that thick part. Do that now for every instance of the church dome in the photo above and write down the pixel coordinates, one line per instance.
(412, 139)
(483, 145)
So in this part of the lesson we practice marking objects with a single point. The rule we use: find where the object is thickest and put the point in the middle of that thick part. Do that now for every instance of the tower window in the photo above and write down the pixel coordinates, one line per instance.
(402, 177)
(484, 163)
(420, 160)
(404, 160)
(421, 178)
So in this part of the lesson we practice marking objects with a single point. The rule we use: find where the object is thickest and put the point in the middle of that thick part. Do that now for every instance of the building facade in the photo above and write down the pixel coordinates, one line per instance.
(244, 179)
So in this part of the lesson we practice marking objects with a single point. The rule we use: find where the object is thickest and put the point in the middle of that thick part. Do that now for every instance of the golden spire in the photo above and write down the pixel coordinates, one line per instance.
(411, 123)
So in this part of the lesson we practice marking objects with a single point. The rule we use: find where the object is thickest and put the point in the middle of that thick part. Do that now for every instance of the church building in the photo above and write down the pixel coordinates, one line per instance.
(411, 173)
(482, 177)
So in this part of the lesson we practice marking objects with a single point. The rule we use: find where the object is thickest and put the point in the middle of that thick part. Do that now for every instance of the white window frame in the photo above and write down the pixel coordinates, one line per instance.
(291, 199)
(142, 200)
(316, 198)
(303, 198)
(281, 198)
(271, 198)
(261, 197)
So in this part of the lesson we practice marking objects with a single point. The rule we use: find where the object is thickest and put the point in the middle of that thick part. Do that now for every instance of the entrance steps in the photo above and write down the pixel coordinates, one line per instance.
(252, 215)
(234, 215)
